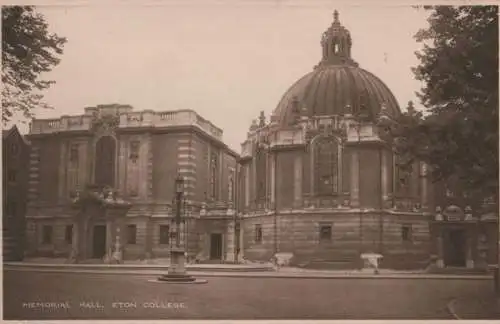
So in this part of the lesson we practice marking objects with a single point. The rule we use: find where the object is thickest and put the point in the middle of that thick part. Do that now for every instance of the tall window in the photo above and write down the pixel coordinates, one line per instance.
(12, 175)
(258, 233)
(326, 166)
(325, 233)
(261, 171)
(73, 154)
(214, 165)
(134, 151)
(105, 161)
(68, 234)
(131, 234)
(406, 233)
(46, 234)
(164, 234)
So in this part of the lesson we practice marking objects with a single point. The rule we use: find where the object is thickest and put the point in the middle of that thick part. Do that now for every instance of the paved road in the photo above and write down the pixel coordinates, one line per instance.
(105, 296)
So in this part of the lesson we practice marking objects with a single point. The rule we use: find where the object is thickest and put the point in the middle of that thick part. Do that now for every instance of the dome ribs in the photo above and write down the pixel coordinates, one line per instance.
(337, 81)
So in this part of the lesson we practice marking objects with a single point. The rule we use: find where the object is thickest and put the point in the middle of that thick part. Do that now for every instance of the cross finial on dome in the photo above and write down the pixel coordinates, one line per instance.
(336, 16)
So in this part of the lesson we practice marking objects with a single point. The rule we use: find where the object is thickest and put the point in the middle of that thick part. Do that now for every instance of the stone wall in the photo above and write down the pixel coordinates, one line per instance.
(352, 234)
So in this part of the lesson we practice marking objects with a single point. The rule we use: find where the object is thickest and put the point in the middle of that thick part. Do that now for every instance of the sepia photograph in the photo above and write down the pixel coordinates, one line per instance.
(250, 160)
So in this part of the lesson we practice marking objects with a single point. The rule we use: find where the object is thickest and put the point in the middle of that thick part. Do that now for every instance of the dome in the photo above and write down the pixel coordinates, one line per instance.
(336, 82)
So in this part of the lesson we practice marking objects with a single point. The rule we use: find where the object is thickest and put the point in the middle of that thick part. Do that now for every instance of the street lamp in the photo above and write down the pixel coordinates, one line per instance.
(177, 269)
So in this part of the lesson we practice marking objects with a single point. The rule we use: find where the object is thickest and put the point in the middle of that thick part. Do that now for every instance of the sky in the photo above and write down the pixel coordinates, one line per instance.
(226, 60)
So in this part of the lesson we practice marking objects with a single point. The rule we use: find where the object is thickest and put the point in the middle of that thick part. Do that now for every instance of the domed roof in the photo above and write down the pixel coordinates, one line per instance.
(336, 82)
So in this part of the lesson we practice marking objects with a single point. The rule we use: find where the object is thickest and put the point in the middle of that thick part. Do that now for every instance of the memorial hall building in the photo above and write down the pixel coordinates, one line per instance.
(320, 179)
(317, 179)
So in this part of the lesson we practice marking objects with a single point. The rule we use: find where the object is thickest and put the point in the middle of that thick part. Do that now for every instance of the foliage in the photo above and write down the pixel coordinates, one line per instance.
(28, 50)
(458, 135)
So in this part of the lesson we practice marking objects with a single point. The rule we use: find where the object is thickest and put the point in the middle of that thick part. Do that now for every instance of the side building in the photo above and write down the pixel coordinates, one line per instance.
(130, 157)
(15, 156)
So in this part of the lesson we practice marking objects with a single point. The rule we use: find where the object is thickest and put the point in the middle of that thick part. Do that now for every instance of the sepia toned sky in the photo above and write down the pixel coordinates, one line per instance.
(226, 60)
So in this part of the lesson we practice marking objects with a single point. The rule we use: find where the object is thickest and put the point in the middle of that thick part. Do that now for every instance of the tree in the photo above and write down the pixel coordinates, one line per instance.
(28, 50)
(458, 134)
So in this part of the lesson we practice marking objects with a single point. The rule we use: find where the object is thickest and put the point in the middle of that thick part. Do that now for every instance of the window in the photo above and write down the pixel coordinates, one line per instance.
(134, 151)
(11, 208)
(14, 148)
(12, 175)
(258, 233)
(326, 166)
(68, 234)
(46, 234)
(164, 234)
(325, 233)
(131, 234)
(73, 153)
(406, 233)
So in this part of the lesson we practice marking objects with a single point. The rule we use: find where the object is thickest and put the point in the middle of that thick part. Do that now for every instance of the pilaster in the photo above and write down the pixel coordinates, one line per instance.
(355, 177)
(469, 259)
(440, 248)
(62, 188)
(186, 164)
(297, 183)
(230, 243)
(385, 176)
(273, 179)
(34, 174)
(247, 185)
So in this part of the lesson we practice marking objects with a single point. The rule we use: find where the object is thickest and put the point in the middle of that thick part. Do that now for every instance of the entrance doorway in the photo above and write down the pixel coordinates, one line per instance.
(99, 242)
(216, 246)
(455, 248)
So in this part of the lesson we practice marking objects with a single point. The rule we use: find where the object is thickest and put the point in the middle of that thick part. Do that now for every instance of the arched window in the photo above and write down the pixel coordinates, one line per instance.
(326, 170)
(261, 171)
(402, 177)
(105, 157)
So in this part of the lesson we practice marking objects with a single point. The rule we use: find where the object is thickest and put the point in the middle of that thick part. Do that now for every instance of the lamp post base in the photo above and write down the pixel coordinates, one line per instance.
(177, 269)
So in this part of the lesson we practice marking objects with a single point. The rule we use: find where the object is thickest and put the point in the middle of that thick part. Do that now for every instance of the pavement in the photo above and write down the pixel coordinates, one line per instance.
(36, 295)
(475, 307)
(256, 270)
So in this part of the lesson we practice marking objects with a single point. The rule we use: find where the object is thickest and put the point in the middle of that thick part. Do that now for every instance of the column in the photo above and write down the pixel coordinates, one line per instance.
(440, 247)
(469, 259)
(247, 184)
(385, 177)
(424, 186)
(74, 241)
(273, 178)
(297, 183)
(230, 243)
(355, 178)
(109, 239)
(62, 172)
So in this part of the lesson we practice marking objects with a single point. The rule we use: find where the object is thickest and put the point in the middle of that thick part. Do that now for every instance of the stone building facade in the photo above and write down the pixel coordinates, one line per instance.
(320, 181)
(15, 153)
(129, 159)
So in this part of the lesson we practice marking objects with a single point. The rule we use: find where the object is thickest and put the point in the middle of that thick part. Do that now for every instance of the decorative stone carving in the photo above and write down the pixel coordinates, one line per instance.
(107, 122)
(439, 215)
(262, 119)
(468, 213)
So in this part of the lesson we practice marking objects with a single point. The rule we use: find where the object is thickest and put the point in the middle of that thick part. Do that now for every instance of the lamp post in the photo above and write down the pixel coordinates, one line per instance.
(177, 269)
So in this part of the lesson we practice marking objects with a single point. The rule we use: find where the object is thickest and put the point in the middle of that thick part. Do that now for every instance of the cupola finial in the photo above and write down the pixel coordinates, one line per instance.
(336, 44)
(336, 16)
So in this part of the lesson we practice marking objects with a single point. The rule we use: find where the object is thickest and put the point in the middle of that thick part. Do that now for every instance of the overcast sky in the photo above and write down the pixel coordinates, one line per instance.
(226, 60)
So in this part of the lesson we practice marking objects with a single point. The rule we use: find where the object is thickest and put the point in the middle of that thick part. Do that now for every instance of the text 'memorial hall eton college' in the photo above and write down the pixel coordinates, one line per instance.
(318, 179)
